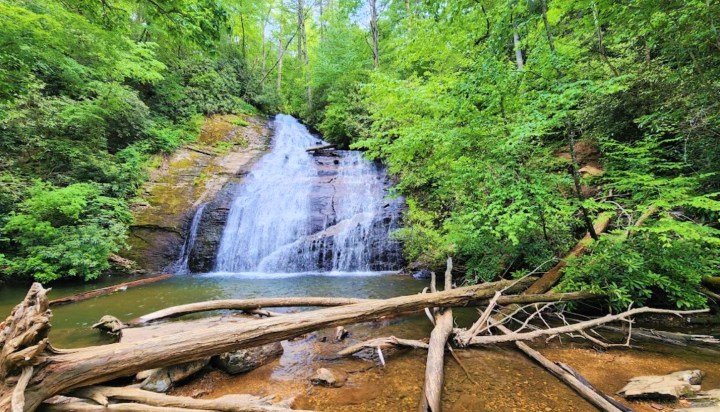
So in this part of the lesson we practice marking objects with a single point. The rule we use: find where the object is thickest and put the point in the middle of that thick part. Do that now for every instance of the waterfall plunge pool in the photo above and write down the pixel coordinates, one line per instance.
(71, 324)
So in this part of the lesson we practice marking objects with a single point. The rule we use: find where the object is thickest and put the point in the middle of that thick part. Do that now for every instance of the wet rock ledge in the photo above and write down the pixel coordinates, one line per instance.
(197, 173)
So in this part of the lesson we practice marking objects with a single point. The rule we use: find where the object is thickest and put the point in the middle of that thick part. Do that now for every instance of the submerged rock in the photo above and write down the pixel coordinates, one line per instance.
(422, 274)
(245, 360)
(331, 378)
(110, 324)
(162, 379)
(671, 386)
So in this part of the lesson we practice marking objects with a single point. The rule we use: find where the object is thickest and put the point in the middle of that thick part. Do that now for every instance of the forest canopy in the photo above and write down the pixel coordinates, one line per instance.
(510, 126)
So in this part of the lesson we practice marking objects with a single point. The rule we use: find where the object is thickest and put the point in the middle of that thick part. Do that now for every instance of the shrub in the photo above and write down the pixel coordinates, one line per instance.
(64, 232)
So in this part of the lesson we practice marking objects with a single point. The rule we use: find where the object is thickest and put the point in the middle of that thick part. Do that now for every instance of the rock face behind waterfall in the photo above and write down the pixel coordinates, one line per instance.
(337, 182)
(193, 175)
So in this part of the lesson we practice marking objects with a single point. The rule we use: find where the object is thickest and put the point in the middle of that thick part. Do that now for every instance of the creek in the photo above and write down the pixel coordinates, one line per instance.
(303, 224)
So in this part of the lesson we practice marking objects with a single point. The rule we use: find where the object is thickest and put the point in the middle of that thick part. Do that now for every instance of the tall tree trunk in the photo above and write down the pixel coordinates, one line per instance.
(517, 46)
(548, 32)
(601, 43)
(322, 19)
(281, 53)
(264, 40)
(302, 47)
(374, 32)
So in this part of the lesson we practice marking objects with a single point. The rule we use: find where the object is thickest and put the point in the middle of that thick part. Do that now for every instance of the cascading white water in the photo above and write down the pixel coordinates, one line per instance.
(273, 222)
(181, 267)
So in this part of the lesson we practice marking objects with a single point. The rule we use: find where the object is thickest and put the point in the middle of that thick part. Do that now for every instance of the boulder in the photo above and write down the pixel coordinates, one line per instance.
(162, 379)
(667, 387)
(245, 360)
(331, 378)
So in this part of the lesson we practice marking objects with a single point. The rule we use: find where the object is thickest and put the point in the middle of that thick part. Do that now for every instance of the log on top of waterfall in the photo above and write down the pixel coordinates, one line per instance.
(321, 147)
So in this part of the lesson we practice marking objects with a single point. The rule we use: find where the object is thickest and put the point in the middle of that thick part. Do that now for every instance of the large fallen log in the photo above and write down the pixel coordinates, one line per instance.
(25, 349)
(249, 305)
(146, 400)
(383, 343)
(244, 305)
(107, 290)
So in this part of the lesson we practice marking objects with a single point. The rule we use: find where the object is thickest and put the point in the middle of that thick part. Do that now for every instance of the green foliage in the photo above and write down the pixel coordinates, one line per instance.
(648, 268)
(240, 122)
(88, 92)
(64, 232)
(479, 145)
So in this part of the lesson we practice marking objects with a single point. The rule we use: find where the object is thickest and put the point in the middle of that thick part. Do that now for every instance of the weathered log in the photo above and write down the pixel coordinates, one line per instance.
(250, 305)
(567, 368)
(107, 290)
(551, 277)
(713, 282)
(105, 395)
(515, 336)
(244, 305)
(110, 324)
(434, 368)
(320, 147)
(651, 210)
(706, 343)
(57, 373)
(340, 333)
(383, 343)
(712, 295)
(586, 392)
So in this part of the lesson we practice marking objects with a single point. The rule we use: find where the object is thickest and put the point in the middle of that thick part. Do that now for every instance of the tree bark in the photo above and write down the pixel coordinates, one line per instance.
(713, 282)
(434, 368)
(247, 305)
(375, 33)
(548, 32)
(601, 42)
(516, 45)
(244, 305)
(578, 191)
(104, 394)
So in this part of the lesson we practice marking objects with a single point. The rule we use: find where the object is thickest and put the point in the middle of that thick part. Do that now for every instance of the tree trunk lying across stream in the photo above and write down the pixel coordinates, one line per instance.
(78, 297)
(47, 372)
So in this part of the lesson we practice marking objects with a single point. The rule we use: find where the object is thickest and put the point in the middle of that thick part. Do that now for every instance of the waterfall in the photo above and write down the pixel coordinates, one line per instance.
(181, 267)
(299, 212)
